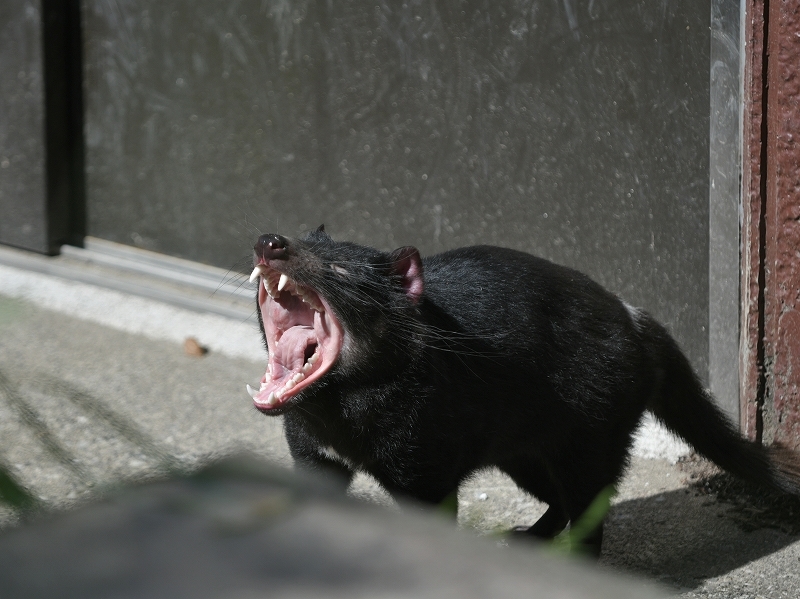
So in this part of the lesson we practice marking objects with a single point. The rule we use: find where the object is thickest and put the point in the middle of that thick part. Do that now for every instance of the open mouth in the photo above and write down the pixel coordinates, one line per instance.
(303, 338)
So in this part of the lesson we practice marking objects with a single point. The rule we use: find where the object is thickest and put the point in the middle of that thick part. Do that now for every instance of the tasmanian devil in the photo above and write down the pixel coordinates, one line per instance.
(422, 371)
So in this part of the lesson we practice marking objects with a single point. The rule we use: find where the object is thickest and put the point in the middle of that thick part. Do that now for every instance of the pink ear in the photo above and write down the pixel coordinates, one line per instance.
(407, 264)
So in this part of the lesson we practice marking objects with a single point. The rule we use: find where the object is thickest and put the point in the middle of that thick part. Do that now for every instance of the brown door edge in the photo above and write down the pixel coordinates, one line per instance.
(770, 250)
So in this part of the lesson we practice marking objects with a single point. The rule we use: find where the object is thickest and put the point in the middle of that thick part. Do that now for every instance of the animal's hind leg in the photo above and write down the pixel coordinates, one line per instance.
(569, 488)
(576, 508)
(582, 483)
(549, 524)
(533, 478)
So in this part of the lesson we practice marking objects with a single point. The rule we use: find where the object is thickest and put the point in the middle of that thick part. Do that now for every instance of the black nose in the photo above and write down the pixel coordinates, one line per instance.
(271, 247)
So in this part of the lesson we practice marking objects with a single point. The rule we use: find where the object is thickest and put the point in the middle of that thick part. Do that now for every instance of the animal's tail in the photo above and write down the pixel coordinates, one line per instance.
(687, 409)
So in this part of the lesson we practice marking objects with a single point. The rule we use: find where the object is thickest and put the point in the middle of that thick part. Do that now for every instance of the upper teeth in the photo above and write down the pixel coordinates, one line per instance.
(258, 271)
(269, 288)
(270, 284)
(311, 300)
(284, 282)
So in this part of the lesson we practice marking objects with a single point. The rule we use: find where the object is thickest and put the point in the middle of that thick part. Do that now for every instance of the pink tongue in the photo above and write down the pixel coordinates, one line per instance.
(290, 351)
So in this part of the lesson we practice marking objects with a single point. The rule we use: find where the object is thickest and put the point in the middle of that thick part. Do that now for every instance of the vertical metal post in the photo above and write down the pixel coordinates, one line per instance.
(724, 205)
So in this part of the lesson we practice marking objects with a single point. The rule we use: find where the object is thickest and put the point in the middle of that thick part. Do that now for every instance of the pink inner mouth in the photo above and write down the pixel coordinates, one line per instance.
(303, 338)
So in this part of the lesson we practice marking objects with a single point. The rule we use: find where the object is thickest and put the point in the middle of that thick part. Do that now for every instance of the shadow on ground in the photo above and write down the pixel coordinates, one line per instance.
(687, 536)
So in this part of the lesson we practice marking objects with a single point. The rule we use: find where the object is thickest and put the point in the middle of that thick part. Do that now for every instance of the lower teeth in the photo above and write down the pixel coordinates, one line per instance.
(276, 395)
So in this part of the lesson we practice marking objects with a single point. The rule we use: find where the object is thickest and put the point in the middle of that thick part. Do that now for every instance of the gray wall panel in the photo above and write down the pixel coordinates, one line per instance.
(23, 198)
(577, 130)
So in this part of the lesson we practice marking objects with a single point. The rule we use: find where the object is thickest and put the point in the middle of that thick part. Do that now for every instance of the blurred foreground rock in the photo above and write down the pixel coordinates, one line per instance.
(241, 528)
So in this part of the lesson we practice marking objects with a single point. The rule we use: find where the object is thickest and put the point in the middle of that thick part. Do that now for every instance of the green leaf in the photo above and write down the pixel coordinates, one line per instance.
(572, 540)
(449, 505)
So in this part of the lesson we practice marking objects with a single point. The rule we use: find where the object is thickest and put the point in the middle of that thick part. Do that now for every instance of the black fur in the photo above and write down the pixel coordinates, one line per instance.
(493, 357)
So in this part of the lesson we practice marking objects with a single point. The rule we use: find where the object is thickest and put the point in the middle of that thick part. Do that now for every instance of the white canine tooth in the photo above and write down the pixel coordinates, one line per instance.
(251, 391)
(256, 273)
(282, 282)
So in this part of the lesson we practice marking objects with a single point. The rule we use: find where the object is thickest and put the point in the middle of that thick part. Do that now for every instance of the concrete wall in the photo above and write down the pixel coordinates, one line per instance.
(23, 194)
(576, 130)
(42, 200)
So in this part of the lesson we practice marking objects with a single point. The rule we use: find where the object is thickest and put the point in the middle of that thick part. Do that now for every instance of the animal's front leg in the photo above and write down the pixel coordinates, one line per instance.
(311, 456)
(435, 492)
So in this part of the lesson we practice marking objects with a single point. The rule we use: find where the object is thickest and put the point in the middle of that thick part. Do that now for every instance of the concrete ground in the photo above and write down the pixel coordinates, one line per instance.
(97, 387)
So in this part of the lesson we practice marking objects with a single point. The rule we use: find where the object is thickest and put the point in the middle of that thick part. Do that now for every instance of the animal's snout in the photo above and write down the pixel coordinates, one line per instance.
(270, 247)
